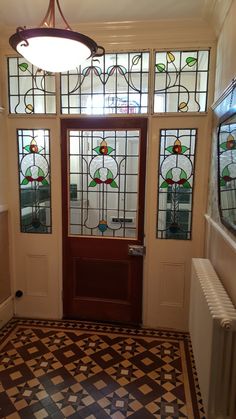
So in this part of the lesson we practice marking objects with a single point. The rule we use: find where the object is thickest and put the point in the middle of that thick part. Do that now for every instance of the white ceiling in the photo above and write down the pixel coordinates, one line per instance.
(30, 13)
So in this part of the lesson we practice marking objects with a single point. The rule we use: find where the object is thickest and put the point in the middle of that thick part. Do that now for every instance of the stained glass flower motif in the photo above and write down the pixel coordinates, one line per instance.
(103, 173)
(34, 177)
(176, 170)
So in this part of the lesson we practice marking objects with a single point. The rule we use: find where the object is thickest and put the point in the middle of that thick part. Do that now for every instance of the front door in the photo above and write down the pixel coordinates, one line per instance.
(103, 182)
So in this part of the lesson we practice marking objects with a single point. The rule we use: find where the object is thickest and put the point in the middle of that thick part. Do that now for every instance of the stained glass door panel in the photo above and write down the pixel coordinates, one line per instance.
(103, 182)
(103, 176)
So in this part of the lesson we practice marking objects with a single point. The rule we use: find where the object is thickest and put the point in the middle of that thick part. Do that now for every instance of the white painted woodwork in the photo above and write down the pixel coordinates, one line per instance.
(37, 258)
(168, 262)
(165, 301)
(6, 311)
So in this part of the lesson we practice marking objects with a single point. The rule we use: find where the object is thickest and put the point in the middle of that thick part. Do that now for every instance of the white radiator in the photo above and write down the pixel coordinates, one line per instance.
(212, 325)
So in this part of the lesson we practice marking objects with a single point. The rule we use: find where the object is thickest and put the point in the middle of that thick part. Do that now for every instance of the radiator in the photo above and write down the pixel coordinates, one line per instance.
(212, 325)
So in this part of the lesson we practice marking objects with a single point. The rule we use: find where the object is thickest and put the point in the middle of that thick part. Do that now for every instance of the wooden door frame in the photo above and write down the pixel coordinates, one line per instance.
(102, 123)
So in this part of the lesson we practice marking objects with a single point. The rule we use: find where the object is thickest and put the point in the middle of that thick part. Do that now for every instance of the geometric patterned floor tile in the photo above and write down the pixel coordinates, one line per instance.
(83, 370)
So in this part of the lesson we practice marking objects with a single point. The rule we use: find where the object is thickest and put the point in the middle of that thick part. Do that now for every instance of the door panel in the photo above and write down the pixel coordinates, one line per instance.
(168, 259)
(103, 177)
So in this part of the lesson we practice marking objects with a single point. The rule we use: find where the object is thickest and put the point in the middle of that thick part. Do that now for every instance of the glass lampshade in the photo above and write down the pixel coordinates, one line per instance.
(52, 49)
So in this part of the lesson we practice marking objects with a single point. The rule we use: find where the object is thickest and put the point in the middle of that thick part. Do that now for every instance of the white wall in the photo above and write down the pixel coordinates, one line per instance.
(221, 244)
(162, 306)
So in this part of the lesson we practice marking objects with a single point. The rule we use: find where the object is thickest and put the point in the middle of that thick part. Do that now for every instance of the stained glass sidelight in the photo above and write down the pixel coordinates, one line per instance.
(31, 90)
(34, 180)
(227, 171)
(103, 168)
(181, 81)
(176, 173)
(114, 83)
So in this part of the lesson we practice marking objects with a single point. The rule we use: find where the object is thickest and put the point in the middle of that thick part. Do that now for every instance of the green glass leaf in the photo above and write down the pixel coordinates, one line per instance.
(92, 184)
(97, 149)
(86, 71)
(223, 146)
(24, 182)
(109, 174)
(27, 148)
(184, 148)
(222, 182)
(97, 174)
(44, 182)
(191, 61)
(28, 172)
(169, 174)
(41, 172)
(186, 185)
(160, 67)
(110, 149)
(225, 171)
(40, 149)
(183, 174)
(113, 184)
(170, 149)
(23, 66)
(164, 185)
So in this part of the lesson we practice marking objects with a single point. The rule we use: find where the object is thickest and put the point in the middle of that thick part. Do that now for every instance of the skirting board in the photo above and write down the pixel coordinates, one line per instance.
(6, 311)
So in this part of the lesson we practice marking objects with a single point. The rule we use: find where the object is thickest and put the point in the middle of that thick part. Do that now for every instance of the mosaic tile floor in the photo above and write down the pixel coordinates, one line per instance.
(69, 369)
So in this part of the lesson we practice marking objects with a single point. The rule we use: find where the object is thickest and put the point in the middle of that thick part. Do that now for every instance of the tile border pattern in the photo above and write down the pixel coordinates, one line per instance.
(104, 328)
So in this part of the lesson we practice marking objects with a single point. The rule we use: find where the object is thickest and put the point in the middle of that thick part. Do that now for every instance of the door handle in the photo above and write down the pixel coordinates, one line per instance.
(136, 250)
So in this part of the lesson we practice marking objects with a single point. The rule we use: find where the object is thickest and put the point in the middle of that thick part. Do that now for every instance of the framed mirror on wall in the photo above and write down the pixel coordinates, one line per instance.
(227, 169)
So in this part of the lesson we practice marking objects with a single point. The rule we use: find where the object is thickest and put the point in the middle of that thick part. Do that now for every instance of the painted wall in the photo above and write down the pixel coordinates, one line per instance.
(221, 245)
(226, 57)
(4, 243)
(3, 159)
(167, 263)
(5, 289)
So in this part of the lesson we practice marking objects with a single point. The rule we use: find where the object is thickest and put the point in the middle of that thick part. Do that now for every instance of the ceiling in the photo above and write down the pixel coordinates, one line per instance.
(14, 13)
(30, 13)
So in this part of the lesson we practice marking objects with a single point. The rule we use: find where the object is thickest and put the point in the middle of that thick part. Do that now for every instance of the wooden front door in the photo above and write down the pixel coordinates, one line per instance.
(103, 178)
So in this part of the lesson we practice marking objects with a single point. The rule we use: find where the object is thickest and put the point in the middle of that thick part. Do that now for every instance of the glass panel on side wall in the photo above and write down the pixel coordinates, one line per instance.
(181, 81)
(34, 180)
(31, 90)
(103, 176)
(112, 84)
(175, 190)
(227, 171)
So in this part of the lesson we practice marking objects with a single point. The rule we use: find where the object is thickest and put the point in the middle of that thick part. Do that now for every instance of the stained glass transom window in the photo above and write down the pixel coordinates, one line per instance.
(181, 81)
(114, 83)
(175, 190)
(227, 171)
(34, 180)
(103, 178)
(31, 90)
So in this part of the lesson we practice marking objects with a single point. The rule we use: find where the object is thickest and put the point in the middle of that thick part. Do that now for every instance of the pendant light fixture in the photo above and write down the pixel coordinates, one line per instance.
(53, 49)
